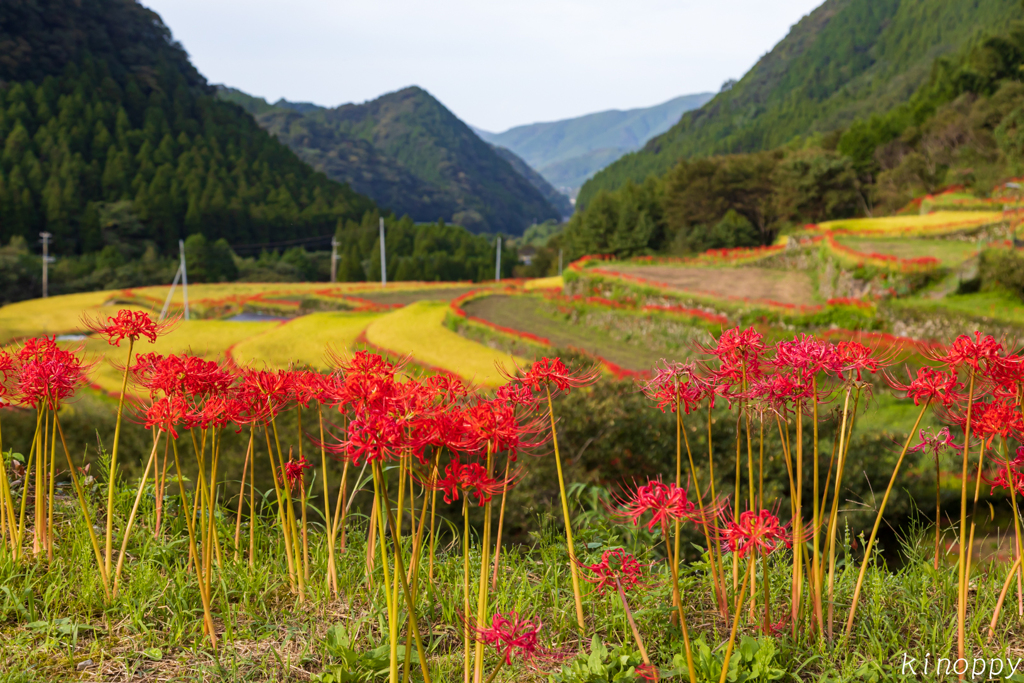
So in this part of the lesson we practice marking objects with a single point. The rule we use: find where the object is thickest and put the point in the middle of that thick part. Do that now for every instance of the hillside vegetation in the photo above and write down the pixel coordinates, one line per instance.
(111, 138)
(961, 128)
(847, 59)
(411, 155)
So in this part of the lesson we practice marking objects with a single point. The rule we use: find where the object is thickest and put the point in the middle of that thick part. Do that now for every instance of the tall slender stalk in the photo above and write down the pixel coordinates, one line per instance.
(135, 509)
(830, 541)
(332, 570)
(574, 570)
(482, 592)
(636, 632)
(961, 611)
(673, 561)
(112, 477)
(241, 494)
(735, 625)
(878, 523)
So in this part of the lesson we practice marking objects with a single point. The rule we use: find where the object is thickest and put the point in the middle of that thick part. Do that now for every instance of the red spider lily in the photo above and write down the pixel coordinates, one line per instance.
(181, 374)
(992, 419)
(293, 470)
(738, 347)
(781, 389)
(973, 353)
(807, 355)
(129, 324)
(1001, 482)
(512, 635)
(758, 531)
(665, 502)
(1006, 375)
(447, 388)
(451, 430)
(265, 391)
(1018, 460)
(7, 370)
(675, 385)
(168, 412)
(547, 372)
(647, 672)
(497, 428)
(515, 394)
(47, 374)
(934, 443)
(931, 385)
(372, 436)
(855, 358)
(471, 479)
(308, 386)
(617, 567)
(220, 411)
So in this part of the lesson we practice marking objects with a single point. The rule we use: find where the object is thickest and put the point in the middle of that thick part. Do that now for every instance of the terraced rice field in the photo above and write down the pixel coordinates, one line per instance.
(304, 341)
(56, 315)
(950, 253)
(418, 330)
(753, 283)
(938, 222)
(531, 314)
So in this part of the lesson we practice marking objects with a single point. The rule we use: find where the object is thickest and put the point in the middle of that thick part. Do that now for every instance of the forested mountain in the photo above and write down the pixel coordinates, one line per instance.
(411, 155)
(569, 151)
(847, 59)
(111, 138)
(557, 199)
(964, 127)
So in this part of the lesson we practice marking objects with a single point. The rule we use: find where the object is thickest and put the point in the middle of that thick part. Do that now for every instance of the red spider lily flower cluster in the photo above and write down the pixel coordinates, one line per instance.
(552, 373)
(761, 532)
(666, 503)
(616, 568)
(513, 636)
(46, 375)
(469, 478)
(934, 443)
(293, 470)
(1002, 481)
(978, 353)
(676, 385)
(933, 385)
(739, 353)
(128, 324)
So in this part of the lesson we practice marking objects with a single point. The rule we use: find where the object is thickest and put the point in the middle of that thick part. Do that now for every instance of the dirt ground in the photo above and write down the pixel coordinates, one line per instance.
(762, 284)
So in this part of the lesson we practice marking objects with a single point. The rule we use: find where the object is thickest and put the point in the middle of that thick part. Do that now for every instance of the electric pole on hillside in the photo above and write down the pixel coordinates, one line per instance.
(334, 259)
(383, 257)
(184, 275)
(497, 262)
(46, 261)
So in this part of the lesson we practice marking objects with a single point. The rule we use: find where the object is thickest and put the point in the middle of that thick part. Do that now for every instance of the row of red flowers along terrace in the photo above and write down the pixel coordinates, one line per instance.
(421, 437)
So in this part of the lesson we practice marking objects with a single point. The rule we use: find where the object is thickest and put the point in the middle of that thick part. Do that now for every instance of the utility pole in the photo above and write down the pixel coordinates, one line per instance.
(383, 257)
(46, 261)
(497, 262)
(559, 262)
(334, 259)
(184, 275)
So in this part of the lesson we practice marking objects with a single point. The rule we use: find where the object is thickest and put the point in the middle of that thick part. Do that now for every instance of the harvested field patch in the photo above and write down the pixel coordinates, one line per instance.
(753, 283)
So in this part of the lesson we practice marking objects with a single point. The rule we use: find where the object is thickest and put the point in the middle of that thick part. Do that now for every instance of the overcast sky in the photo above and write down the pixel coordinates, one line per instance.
(494, 64)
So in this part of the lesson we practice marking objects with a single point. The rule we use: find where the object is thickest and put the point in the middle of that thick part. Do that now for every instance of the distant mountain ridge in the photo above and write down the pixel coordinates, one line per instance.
(410, 154)
(845, 60)
(569, 151)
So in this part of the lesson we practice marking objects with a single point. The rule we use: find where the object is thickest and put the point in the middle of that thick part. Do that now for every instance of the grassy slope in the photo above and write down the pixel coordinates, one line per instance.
(418, 330)
(846, 59)
(950, 253)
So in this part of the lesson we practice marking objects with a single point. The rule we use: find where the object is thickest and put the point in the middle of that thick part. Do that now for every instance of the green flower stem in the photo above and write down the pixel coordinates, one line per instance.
(112, 477)
(135, 509)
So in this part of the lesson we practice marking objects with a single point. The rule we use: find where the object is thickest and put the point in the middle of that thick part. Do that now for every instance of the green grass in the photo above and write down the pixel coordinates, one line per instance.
(994, 305)
(949, 253)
